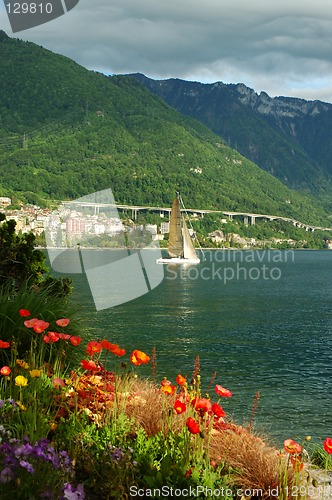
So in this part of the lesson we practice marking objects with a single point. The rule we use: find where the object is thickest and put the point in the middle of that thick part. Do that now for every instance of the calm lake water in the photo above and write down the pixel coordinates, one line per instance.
(261, 319)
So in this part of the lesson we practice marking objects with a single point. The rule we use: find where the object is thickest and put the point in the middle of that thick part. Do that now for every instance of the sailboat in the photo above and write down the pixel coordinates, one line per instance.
(180, 246)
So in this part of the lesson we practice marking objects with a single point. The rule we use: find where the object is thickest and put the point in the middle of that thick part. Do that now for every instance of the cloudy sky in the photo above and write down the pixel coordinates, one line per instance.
(283, 47)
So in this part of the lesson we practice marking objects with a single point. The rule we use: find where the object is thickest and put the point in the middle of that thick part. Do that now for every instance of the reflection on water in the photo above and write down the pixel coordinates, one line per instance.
(256, 332)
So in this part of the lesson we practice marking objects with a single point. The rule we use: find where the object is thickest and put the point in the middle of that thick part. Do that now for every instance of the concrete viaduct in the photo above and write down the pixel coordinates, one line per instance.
(248, 218)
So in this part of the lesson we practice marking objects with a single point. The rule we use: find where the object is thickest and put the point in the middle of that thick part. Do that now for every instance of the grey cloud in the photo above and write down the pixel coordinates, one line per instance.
(283, 45)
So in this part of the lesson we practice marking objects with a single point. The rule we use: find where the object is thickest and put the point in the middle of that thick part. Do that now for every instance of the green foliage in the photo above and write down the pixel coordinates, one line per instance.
(69, 132)
(42, 304)
(320, 458)
(287, 137)
(22, 264)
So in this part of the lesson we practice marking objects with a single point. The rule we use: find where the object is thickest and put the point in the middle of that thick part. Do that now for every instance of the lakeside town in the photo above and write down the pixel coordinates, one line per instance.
(71, 225)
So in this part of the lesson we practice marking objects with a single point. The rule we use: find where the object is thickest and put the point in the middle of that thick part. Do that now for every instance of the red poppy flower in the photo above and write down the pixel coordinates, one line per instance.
(168, 389)
(221, 391)
(202, 404)
(138, 358)
(4, 344)
(93, 347)
(292, 446)
(51, 337)
(75, 340)
(193, 426)
(63, 322)
(180, 407)
(24, 312)
(39, 326)
(328, 445)
(180, 380)
(217, 410)
(30, 322)
(89, 365)
(5, 371)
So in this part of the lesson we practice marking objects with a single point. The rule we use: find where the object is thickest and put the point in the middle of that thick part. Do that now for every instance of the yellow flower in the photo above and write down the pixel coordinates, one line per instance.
(22, 364)
(21, 405)
(35, 373)
(21, 381)
(53, 426)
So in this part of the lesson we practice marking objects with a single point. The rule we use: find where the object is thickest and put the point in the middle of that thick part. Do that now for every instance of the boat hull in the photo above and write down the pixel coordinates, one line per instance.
(178, 260)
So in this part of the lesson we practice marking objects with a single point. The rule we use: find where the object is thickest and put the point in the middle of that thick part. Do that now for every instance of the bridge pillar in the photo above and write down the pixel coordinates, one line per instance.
(246, 220)
(230, 216)
(252, 220)
(134, 213)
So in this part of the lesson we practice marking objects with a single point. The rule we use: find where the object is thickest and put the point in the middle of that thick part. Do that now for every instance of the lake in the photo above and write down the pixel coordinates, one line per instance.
(261, 319)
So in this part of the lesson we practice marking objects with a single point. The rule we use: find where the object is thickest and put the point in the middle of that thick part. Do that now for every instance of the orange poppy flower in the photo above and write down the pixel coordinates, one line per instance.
(106, 344)
(138, 358)
(328, 445)
(202, 404)
(114, 348)
(292, 446)
(93, 347)
(193, 426)
(4, 345)
(180, 380)
(221, 391)
(117, 351)
(168, 389)
(5, 371)
(180, 407)
(63, 322)
(24, 312)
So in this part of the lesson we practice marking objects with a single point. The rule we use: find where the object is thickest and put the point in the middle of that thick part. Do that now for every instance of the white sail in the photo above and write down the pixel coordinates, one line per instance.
(180, 247)
(189, 251)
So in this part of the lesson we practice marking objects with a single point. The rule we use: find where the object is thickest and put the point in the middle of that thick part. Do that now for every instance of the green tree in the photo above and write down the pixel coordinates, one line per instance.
(22, 264)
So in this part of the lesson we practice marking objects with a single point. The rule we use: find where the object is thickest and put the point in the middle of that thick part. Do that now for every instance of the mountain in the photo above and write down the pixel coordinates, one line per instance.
(288, 137)
(66, 132)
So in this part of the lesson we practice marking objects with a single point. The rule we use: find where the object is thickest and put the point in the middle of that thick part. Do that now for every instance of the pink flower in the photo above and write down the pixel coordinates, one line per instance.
(51, 337)
(221, 391)
(30, 322)
(5, 371)
(58, 382)
(63, 322)
(39, 326)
